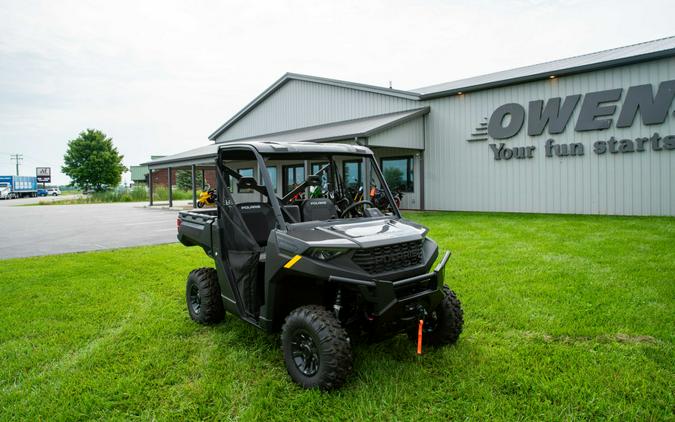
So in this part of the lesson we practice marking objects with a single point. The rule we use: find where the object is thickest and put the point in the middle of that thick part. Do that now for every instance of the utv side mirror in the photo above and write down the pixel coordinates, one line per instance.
(247, 182)
(313, 180)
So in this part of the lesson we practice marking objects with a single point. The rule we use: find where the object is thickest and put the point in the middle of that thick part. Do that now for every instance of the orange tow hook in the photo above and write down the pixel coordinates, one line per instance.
(419, 337)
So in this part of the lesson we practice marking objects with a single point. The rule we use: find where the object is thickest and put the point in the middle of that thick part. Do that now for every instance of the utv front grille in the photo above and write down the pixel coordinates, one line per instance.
(390, 257)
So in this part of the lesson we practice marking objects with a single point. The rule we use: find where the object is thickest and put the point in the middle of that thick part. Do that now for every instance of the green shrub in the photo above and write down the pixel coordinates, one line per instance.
(135, 194)
(161, 193)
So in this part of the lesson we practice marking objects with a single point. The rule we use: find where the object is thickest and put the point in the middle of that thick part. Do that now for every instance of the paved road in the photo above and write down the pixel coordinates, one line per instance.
(54, 229)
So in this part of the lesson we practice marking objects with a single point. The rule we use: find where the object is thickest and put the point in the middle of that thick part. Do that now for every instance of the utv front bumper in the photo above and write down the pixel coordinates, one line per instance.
(400, 300)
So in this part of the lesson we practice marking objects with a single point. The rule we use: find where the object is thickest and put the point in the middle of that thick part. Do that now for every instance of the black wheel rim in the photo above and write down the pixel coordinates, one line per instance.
(195, 299)
(305, 353)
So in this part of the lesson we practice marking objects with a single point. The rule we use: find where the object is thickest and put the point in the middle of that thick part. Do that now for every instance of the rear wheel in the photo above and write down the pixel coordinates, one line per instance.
(444, 325)
(316, 348)
(202, 294)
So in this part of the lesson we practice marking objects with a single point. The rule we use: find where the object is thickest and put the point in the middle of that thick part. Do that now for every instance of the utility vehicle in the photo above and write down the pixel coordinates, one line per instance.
(315, 258)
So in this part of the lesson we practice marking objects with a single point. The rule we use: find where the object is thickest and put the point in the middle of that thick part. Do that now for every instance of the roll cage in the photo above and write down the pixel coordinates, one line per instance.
(273, 150)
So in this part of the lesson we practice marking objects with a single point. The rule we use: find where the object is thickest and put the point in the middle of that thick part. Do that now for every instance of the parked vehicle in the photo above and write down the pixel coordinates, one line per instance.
(42, 192)
(5, 191)
(18, 186)
(379, 199)
(206, 198)
(322, 271)
(53, 192)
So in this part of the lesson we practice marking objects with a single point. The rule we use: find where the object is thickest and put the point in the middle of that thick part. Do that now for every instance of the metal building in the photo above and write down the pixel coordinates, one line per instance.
(593, 134)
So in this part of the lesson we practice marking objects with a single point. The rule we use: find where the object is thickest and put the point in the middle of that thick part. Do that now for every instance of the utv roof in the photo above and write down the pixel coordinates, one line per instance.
(270, 147)
(206, 154)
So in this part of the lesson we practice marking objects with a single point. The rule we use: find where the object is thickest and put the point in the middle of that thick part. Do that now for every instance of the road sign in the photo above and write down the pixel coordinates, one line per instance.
(44, 174)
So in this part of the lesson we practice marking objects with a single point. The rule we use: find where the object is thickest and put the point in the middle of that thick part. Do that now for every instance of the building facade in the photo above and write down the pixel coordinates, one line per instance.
(593, 134)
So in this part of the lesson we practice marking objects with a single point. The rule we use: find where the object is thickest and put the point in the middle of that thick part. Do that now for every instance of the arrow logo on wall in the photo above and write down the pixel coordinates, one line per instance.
(481, 132)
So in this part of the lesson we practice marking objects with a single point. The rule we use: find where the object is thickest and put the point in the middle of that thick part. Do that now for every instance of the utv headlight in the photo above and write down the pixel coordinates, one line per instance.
(324, 254)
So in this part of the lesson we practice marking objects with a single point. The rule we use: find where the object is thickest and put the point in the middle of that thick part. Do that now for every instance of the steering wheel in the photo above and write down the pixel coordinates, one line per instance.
(354, 205)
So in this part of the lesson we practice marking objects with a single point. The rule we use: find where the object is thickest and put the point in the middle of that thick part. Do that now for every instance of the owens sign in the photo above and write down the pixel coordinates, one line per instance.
(597, 111)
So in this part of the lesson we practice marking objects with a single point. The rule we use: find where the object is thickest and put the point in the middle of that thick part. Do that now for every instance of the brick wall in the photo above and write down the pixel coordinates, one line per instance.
(160, 177)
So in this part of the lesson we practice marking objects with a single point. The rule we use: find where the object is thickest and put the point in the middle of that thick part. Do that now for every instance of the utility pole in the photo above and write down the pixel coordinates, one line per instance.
(18, 158)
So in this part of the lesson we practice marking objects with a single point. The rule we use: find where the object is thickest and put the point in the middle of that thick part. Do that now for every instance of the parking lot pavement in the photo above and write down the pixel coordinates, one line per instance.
(55, 229)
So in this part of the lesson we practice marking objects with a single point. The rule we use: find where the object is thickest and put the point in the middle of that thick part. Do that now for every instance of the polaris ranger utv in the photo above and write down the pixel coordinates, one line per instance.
(320, 263)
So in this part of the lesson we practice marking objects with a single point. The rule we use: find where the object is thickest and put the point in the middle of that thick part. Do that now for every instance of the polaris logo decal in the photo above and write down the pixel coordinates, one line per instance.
(398, 256)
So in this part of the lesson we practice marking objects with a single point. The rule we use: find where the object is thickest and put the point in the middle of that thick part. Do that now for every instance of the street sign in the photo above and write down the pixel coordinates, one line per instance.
(44, 174)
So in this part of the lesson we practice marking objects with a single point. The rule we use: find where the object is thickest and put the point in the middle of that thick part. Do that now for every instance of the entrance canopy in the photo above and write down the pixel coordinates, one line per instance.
(347, 130)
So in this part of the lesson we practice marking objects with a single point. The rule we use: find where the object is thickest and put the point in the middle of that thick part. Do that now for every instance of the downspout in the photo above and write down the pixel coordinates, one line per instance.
(424, 148)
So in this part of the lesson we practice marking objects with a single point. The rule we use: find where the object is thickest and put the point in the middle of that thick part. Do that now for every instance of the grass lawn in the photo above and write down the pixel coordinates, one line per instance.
(567, 317)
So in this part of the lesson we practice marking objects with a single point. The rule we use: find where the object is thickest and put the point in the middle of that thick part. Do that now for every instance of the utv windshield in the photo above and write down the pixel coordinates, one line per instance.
(312, 187)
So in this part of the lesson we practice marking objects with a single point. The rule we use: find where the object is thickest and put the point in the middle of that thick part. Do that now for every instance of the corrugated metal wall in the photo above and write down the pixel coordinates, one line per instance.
(406, 135)
(300, 103)
(461, 175)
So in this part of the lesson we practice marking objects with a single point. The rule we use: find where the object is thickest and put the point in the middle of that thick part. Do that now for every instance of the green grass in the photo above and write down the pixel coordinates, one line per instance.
(137, 194)
(567, 317)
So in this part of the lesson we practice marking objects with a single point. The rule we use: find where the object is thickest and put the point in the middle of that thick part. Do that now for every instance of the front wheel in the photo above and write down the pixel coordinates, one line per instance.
(444, 325)
(317, 350)
(200, 204)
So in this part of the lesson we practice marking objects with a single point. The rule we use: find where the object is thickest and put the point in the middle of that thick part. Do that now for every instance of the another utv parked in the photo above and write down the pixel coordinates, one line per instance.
(320, 263)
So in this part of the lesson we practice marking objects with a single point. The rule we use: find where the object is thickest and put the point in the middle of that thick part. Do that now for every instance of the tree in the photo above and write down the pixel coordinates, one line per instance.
(92, 162)
(184, 179)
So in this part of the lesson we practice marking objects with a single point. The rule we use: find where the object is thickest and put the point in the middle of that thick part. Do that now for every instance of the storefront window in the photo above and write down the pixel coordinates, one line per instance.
(398, 172)
(315, 167)
(352, 173)
(245, 173)
(293, 176)
(272, 170)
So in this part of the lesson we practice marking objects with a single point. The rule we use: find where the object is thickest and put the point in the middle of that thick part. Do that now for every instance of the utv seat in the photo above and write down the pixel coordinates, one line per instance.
(318, 209)
(294, 212)
(259, 218)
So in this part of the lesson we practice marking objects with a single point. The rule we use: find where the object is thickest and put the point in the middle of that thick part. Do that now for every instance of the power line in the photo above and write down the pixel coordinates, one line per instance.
(18, 158)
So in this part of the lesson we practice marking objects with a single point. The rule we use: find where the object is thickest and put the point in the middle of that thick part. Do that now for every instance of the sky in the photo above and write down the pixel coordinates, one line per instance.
(159, 77)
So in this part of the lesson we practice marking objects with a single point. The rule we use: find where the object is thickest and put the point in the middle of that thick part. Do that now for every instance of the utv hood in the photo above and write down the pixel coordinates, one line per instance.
(365, 234)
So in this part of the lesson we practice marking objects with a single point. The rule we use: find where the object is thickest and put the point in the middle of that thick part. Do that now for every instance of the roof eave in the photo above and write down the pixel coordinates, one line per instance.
(558, 73)
(199, 159)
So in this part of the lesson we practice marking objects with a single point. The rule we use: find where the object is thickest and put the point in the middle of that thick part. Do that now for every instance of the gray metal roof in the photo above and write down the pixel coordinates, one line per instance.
(650, 50)
(347, 129)
(201, 155)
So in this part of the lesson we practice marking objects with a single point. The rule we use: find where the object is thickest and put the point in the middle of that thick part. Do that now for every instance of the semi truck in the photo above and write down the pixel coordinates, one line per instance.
(17, 186)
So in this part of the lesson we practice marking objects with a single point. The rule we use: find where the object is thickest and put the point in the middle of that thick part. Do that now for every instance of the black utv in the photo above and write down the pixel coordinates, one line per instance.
(328, 260)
